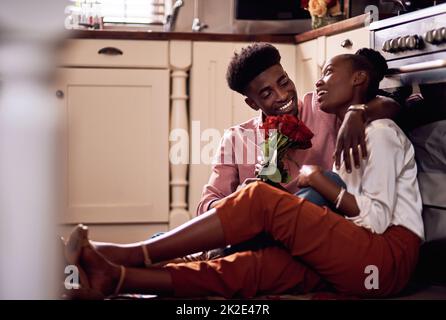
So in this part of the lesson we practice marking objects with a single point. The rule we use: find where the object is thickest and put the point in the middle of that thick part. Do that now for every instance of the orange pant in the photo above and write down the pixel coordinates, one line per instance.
(319, 247)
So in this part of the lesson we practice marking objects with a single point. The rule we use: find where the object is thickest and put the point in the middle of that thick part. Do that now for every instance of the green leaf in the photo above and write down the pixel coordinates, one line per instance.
(276, 177)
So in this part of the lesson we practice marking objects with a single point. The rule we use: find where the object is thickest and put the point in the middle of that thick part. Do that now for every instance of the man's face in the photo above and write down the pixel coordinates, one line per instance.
(272, 92)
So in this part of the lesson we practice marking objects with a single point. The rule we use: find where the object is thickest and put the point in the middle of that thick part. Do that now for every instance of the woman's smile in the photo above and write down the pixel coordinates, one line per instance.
(321, 94)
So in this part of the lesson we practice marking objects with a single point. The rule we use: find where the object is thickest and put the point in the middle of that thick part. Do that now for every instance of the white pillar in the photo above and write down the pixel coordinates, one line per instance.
(29, 124)
(180, 54)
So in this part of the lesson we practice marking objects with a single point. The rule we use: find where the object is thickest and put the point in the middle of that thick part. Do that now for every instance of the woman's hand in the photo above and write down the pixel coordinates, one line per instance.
(307, 174)
(351, 135)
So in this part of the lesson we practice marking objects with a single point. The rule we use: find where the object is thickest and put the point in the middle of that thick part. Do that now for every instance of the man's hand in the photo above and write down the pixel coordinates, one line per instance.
(307, 174)
(351, 135)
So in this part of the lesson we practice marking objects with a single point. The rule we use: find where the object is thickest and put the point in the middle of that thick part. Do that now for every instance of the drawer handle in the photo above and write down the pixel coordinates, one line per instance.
(110, 51)
(347, 43)
(59, 94)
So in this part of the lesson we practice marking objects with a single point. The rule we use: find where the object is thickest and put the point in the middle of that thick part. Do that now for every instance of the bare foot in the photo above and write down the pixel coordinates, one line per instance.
(103, 275)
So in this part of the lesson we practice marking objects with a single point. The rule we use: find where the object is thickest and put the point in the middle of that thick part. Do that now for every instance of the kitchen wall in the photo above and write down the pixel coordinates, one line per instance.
(217, 14)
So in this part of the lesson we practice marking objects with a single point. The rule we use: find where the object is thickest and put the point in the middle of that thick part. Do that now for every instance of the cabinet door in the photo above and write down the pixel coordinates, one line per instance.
(339, 43)
(307, 69)
(116, 142)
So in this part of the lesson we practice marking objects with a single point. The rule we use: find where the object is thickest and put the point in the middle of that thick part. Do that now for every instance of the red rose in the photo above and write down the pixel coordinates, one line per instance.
(295, 129)
(290, 118)
(302, 134)
(289, 125)
(271, 123)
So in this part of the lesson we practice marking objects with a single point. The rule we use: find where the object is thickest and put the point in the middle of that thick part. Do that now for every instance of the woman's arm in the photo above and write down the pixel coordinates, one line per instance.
(312, 176)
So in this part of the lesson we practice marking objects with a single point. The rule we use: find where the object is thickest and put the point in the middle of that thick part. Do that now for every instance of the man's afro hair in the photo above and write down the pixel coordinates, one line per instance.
(249, 63)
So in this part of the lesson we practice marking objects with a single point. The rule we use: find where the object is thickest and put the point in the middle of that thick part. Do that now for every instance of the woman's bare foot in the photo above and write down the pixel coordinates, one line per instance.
(103, 275)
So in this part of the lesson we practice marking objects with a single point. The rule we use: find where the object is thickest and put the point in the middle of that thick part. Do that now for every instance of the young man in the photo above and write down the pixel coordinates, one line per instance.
(257, 74)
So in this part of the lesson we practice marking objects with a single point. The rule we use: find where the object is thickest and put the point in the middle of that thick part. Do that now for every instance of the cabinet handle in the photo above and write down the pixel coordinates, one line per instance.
(59, 94)
(347, 43)
(110, 51)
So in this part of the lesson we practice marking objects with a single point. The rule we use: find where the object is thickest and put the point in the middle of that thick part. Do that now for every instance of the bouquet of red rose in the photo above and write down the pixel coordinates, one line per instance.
(282, 133)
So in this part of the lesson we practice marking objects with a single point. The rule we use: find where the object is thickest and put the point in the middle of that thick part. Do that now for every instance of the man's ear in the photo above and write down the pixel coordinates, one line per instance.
(359, 78)
(251, 104)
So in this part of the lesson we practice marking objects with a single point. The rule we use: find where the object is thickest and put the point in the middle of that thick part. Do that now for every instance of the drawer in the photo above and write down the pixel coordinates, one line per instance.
(115, 53)
(336, 44)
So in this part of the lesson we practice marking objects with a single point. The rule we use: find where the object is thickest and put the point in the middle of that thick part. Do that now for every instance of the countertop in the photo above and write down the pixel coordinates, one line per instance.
(338, 27)
(334, 28)
(145, 35)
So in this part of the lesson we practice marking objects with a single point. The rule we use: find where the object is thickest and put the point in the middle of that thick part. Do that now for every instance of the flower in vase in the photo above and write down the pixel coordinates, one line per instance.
(323, 12)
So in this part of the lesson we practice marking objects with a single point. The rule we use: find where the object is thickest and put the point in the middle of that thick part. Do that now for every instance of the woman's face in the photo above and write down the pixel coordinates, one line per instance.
(335, 87)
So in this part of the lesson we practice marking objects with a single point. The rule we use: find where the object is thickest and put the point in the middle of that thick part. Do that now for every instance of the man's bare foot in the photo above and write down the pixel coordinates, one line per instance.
(103, 275)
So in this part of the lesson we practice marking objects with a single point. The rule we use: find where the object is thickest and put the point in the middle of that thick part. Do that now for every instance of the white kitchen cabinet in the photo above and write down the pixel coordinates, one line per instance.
(307, 67)
(214, 106)
(116, 145)
(347, 42)
(116, 120)
(115, 53)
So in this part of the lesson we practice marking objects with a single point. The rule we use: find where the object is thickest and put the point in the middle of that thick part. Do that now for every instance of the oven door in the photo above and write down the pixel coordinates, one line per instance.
(422, 69)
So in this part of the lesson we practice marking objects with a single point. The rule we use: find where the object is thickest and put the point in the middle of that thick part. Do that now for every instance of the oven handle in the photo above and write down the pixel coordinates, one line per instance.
(421, 66)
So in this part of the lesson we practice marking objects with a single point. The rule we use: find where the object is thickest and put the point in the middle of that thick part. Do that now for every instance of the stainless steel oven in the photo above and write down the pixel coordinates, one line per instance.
(414, 45)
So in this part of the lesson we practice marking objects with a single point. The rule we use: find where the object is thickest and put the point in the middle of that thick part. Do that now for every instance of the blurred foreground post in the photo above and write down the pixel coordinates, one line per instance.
(29, 153)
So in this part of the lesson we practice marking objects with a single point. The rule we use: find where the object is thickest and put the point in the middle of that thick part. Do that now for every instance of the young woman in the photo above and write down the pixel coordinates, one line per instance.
(371, 252)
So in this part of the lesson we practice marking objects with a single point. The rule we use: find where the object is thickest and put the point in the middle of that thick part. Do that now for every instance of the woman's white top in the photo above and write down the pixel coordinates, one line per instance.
(386, 187)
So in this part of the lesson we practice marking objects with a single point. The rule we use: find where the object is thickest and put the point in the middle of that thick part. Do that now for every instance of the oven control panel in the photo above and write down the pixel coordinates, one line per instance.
(436, 36)
(403, 43)
(415, 42)
(417, 37)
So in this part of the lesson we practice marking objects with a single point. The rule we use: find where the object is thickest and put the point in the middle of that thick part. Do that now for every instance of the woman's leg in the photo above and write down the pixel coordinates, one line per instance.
(128, 255)
(200, 234)
(243, 274)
